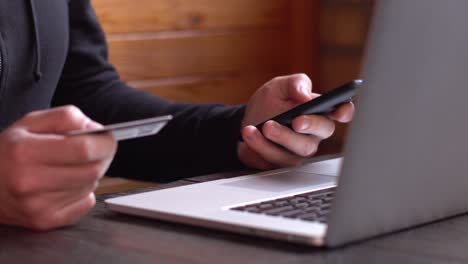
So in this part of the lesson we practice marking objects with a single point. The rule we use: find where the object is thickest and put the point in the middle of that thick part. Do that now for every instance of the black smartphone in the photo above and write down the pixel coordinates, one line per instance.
(321, 105)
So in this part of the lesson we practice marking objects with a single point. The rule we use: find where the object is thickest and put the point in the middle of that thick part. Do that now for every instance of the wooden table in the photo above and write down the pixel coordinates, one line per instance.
(107, 237)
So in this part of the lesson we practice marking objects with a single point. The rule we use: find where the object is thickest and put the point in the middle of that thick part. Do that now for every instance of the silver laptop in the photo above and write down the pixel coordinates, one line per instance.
(406, 157)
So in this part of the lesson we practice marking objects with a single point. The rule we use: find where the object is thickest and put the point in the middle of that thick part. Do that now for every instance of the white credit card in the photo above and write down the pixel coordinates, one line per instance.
(129, 130)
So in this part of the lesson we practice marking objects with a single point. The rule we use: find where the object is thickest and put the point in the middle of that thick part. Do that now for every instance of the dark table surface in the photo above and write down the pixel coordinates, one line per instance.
(107, 237)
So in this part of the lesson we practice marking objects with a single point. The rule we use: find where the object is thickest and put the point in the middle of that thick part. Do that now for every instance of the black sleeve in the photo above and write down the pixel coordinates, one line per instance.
(202, 138)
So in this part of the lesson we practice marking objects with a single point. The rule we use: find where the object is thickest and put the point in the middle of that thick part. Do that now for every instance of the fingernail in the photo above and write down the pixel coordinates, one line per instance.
(251, 134)
(274, 132)
(304, 127)
(304, 89)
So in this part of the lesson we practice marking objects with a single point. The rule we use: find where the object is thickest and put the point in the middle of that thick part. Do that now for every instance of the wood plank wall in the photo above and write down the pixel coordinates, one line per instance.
(208, 50)
(343, 32)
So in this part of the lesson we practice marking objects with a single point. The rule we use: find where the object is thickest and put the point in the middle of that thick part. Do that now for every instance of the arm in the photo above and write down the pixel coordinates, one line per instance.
(200, 139)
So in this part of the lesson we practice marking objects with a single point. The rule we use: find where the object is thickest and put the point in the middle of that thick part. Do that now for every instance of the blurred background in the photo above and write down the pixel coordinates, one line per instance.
(222, 51)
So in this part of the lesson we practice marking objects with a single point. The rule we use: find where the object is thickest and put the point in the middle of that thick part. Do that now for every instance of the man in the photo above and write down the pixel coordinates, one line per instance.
(53, 55)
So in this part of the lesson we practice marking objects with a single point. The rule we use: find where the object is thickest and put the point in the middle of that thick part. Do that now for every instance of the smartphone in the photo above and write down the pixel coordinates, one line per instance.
(321, 105)
(129, 130)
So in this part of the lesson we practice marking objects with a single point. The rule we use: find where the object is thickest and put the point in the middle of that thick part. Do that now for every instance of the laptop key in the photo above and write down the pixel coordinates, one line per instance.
(291, 214)
(310, 209)
(309, 216)
(278, 210)
(265, 206)
(298, 200)
(321, 219)
(315, 203)
(281, 203)
(302, 205)
(324, 212)
(252, 209)
(314, 196)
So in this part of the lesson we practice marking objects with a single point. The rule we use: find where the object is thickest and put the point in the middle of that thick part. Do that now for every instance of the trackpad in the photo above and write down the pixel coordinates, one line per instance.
(281, 182)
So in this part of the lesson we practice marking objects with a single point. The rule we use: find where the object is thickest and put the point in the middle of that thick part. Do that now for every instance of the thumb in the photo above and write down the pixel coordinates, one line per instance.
(296, 88)
(57, 121)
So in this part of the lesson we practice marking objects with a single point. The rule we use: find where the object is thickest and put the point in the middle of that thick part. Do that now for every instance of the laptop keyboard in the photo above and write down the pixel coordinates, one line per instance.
(312, 206)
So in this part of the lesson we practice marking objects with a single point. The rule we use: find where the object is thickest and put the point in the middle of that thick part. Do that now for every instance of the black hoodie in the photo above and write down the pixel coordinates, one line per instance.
(53, 52)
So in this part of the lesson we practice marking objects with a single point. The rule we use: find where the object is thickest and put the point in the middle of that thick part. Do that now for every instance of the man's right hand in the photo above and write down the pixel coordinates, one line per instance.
(47, 180)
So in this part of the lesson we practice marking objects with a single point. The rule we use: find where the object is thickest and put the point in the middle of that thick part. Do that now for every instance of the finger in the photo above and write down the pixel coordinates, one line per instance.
(300, 144)
(53, 179)
(319, 126)
(56, 150)
(252, 159)
(268, 150)
(344, 113)
(63, 198)
(296, 87)
(34, 206)
(73, 212)
(57, 120)
(68, 215)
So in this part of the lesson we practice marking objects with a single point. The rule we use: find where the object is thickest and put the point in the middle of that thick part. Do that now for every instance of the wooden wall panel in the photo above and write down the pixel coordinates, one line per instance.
(344, 26)
(169, 56)
(124, 16)
(304, 42)
(339, 68)
(230, 89)
(343, 32)
(227, 49)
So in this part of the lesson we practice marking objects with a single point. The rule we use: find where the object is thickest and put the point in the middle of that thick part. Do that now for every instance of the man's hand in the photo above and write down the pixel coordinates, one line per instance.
(47, 179)
(292, 146)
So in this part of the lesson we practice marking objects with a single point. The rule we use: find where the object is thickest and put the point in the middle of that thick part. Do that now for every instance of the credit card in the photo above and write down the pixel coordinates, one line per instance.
(129, 130)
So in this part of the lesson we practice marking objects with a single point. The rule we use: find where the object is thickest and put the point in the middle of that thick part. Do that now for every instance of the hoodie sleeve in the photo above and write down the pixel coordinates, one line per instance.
(201, 139)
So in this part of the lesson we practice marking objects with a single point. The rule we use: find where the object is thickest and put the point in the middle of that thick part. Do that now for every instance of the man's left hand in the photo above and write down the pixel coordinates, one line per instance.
(276, 145)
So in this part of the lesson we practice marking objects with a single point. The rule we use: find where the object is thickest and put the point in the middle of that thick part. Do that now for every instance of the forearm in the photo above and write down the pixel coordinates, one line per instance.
(202, 138)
